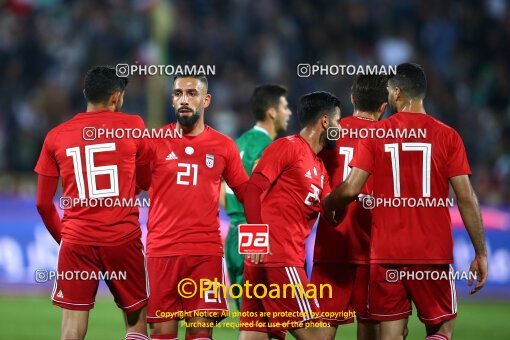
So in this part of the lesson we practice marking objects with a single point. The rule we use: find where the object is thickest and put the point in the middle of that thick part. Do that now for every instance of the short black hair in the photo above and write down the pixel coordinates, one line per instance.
(265, 97)
(201, 78)
(315, 104)
(101, 82)
(411, 80)
(369, 92)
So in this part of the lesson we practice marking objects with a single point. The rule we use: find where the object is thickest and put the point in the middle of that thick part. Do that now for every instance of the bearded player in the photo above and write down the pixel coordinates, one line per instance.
(96, 239)
(183, 240)
(341, 253)
(272, 114)
(408, 240)
(292, 179)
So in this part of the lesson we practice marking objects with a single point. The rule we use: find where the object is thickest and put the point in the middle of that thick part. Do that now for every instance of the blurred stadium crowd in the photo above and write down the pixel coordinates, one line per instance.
(47, 45)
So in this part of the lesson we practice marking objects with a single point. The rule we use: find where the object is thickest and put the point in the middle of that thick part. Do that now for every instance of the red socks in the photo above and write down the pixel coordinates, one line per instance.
(199, 336)
(437, 337)
(136, 336)
(164, 336)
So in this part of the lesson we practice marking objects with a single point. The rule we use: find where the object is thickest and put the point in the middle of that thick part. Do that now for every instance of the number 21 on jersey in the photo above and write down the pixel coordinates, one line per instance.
(188, 174)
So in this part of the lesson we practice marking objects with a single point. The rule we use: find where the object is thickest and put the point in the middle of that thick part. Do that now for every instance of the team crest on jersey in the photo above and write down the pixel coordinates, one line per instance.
(209, 160)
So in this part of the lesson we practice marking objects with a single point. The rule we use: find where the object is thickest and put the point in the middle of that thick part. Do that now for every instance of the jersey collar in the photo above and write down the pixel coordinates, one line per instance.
(261, 129)
(365, 118)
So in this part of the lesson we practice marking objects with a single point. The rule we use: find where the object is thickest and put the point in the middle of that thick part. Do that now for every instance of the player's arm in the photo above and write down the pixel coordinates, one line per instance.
(362, 165)
(472, 218)
(239, 190)
(457, 171)
(143, 177)
(344, 194)
(255, 188)
(48, 172)
(144, 156)
(223, 191)
(234, 174)
(46, 188)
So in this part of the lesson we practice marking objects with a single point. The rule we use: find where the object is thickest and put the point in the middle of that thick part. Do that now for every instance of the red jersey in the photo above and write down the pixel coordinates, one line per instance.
(411, 167)
(185, 191)
(348, 242)
(96, 169)
(298, 183)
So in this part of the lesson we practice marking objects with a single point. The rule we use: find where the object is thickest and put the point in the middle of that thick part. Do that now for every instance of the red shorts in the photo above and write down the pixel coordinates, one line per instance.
(391, 292)
(81, 266)
(283, 312)
(176, 283)
(349, 298)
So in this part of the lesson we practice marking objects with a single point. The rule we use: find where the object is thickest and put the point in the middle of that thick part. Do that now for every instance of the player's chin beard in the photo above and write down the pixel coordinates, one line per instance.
(188, 121)
(329, 144)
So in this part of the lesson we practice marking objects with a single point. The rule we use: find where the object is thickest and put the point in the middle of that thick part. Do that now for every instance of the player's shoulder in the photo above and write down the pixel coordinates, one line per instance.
(431, 125)
(52, 135)
(288, 144)
(64, 126)
(216, 135)
(110, 118)
(124, 118)
(253, 139)
(291, 141)
(355, 122)
(347, 120)
(244, 137)
(248, 135)
(388, 122)
(442, 126)
(170, 126)
(438, 127)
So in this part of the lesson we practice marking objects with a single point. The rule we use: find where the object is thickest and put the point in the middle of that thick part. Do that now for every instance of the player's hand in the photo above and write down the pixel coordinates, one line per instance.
(328, 211)
(257, 258)
(480, 267)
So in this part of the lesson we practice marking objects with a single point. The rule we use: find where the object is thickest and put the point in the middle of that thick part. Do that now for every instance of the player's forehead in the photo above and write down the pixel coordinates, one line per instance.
(283, 101)
(188, 83)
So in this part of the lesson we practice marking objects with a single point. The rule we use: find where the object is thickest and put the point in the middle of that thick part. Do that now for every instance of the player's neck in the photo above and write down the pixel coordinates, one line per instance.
(100, 107)
(313, 138)
(269, 127)
(193, 130)
(363, 114)
(413, 105)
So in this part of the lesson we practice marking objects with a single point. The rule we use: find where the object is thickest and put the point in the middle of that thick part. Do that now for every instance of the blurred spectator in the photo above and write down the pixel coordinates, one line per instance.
(46, 46)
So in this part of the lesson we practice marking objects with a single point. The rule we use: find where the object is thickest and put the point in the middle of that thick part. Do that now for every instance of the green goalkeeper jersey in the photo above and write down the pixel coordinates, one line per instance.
(251, 144)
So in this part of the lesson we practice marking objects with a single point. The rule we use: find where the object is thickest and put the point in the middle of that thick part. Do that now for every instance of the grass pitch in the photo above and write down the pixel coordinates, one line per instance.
(33, 317)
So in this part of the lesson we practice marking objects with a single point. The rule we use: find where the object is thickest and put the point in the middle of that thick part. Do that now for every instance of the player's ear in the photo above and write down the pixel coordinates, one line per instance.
(352, 99)
(115, 98)
(381, 110)
(271, 112)
(207, 100)
(325, 122)
(397, 93)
